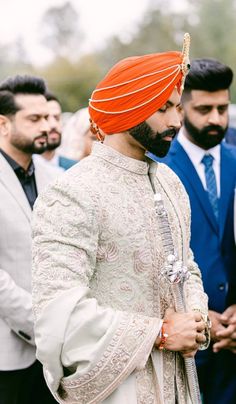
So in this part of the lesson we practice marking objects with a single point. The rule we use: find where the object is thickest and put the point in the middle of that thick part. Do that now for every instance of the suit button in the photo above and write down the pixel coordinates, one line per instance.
(221, 286)
(24, 335)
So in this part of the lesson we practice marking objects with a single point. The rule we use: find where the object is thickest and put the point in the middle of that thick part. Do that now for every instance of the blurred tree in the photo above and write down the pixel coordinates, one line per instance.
(211, 23)
(60, 32)
(158, 31)
(213, 27)
(14, 59)
(73, 83)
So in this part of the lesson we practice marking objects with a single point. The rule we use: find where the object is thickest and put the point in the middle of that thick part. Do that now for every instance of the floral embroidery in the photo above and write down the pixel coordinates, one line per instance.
(108, 253)
(121, 357)
(106, 237)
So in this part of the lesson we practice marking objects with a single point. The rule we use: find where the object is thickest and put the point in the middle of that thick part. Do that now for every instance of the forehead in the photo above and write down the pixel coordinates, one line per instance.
(200, 97)
(54, 107)
(31, 104)
(174, 97)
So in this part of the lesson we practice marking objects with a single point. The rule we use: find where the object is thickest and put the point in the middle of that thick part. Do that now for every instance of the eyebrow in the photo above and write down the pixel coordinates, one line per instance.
(171, 104)
(210, 105)
(36, 115)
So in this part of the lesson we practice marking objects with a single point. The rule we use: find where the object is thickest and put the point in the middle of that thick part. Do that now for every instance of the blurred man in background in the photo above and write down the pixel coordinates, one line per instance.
(23, 131)
(51, 156)
(78, 139)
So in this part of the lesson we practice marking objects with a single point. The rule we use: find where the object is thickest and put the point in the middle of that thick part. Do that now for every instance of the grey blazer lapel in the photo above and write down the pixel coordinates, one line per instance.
(11, 182)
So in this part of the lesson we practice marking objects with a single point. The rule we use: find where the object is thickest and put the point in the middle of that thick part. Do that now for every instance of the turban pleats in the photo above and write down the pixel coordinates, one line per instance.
(134, 89)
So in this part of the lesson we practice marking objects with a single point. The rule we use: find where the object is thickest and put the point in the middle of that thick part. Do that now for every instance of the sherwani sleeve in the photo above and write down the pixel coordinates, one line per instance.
(87, 350)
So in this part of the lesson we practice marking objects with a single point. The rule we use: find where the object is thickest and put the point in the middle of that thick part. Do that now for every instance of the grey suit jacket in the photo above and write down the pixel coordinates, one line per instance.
(17, 348)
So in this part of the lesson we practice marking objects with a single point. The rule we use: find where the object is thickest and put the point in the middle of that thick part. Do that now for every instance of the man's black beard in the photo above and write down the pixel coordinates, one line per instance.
(36, 149)
(153, 142)
(54, 145)
(201, 137)
(29, 147)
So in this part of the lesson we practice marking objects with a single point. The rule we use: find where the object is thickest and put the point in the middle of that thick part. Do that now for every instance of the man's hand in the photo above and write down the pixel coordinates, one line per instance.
(216, 324)
(185, 332)
(226, 334)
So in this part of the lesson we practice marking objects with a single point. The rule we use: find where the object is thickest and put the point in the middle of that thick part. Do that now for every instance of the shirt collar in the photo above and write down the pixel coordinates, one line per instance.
(16, 167)
(118, 159)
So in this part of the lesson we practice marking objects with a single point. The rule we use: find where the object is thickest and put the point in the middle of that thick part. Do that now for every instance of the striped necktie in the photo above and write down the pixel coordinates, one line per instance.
(211, 183)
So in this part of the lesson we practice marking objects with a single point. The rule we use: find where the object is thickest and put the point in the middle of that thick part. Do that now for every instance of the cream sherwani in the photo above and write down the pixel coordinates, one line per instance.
(97, 288)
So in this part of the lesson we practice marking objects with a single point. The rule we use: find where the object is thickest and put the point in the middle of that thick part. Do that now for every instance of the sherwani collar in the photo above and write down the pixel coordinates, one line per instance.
(118, 159)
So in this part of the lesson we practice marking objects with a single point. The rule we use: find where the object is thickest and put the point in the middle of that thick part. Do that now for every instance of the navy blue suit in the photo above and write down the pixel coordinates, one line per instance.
(214, 250)
(230, 136)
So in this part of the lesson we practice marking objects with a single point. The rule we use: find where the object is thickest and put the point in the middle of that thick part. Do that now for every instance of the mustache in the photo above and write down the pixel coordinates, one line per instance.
(169, 132)
(217, 128)
(54, 131)
(44, 134)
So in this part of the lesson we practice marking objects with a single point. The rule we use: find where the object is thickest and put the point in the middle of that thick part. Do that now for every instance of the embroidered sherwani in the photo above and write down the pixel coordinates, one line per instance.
(98, 290)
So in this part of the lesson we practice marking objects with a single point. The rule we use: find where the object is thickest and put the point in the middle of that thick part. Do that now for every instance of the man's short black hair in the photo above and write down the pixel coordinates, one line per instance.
(208, 75)
(51, 97)
(12, 86)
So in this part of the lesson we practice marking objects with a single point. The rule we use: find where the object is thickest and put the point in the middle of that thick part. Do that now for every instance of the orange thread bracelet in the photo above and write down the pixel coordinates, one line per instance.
(163, 335)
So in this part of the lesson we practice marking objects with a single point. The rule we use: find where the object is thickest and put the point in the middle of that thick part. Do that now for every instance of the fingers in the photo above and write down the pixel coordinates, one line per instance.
(229, 315)
(200, 326)
(197, 316)
(227, 332)
(225, 343)
(200, 338)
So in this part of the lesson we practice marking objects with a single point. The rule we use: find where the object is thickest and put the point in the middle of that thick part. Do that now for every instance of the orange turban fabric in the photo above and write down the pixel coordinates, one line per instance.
(134, 89)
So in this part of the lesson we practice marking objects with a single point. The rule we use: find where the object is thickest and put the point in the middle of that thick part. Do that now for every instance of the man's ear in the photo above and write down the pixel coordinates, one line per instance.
(5, 125)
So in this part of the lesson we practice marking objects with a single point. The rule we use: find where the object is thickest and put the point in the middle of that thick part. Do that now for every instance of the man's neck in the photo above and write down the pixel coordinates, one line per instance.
(49, 154)
(23, 159)
(125, 144)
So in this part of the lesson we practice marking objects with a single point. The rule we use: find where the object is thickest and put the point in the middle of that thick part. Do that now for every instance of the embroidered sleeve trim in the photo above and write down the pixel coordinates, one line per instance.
(132, 342)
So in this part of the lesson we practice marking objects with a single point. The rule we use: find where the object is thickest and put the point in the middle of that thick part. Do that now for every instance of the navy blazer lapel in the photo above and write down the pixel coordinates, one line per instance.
(184, 163)
(227, 184)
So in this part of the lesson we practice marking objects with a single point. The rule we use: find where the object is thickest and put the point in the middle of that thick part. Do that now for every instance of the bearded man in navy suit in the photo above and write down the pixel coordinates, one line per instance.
(207, 167)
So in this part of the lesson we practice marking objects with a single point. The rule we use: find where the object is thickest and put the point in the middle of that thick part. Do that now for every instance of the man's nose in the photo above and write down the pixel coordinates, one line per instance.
(214, 117)
(44, 125)
(175, 119)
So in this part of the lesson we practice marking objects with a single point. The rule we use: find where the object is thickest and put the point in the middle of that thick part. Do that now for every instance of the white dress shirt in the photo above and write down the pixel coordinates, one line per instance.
(196, 153)
(54, 162)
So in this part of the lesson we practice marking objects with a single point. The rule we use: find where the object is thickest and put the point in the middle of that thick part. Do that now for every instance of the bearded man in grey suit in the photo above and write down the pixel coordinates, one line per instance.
(23, 131)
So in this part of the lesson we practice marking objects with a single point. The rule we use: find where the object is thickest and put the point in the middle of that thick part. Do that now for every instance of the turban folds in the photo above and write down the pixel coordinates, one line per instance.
(134, 89)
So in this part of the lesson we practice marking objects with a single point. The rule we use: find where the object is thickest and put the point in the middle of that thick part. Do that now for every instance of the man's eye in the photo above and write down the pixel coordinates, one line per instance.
(222, 109)
(203, 110)
(180, 108)
(163, 109)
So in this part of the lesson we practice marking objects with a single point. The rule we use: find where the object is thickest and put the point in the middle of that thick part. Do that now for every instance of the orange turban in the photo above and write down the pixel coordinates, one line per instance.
(134, 89)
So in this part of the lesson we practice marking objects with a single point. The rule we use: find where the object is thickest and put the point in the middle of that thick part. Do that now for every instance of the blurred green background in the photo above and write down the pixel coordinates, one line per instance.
(211, 24)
